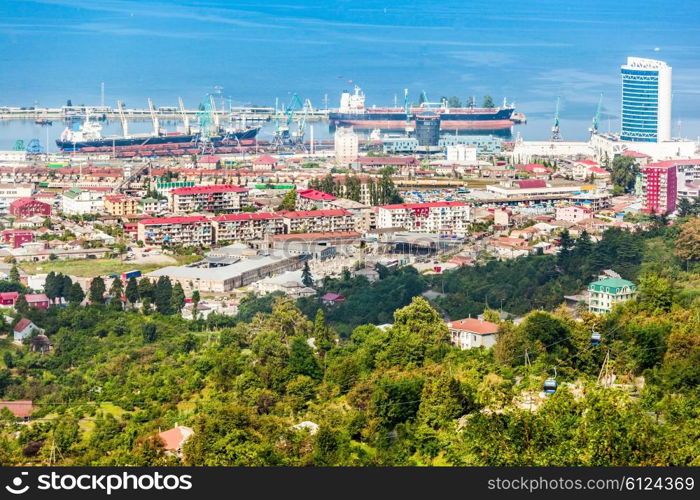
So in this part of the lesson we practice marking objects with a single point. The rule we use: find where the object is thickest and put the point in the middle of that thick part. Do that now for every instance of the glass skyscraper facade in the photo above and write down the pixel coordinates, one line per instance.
(646, 100)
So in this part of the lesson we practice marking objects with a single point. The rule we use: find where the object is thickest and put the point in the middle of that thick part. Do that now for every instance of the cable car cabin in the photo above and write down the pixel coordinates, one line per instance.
(550, 386)
(595, 339)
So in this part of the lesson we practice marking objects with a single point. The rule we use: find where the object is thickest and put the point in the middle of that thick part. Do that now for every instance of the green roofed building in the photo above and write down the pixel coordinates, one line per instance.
(606, 292)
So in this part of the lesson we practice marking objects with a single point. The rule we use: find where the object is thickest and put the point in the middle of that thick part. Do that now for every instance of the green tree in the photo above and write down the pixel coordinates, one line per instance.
(117, 289)
(163, 295)
(195, 303)
(76, 294)
(655, 293)
(146, 289)
(150, 332)
(97, 290)
(289, 202)
(306, 277)
(488, 102)
(14, 274)
(178, 298)
(53, 286)
(624, 173)
(324, 337)
(302, 360)
(442, 400)
(132, 290)
(21, 304)
(688, 241)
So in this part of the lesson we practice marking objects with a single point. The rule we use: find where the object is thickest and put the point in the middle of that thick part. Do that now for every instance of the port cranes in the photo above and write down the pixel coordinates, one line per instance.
(555, 128)
(154, 118)
(596, 118)
(282, 129)
(122, 117)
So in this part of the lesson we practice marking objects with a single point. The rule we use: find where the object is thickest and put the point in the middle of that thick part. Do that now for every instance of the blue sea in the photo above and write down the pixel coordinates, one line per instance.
(528, 52)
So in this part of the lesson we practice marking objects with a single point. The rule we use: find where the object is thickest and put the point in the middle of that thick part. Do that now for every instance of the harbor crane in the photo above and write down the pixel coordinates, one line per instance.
(555, 128)
(185, 118)
(154, 117)
(122, 117)
(282, 135)
(407, 109)
(596, 118)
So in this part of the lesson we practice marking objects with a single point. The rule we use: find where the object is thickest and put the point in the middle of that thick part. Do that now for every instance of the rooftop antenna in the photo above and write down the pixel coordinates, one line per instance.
(555, 128)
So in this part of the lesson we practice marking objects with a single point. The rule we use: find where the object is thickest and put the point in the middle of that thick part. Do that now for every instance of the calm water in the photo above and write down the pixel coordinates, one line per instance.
(529, 52)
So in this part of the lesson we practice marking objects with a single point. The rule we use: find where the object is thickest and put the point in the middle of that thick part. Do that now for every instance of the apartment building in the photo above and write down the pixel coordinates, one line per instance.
(176, 231)
(246, 226)
(27, 207)
(440, 217)
(659, 188)
(318, 221)
(312, 199)
(76, 201)
(119, 204)
(223, 198)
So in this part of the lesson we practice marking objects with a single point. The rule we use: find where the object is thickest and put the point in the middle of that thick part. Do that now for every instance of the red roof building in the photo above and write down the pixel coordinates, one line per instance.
(265, 162)
(246, 226)
(17, 237)
(531, 183)
(176, 231)
(8, 298)
(309, 199)
(174, 439)
(469, 333)
(438, 217)
(38, 300)
(20, 409)
(27, 207)
(315, 221)
(217, 198)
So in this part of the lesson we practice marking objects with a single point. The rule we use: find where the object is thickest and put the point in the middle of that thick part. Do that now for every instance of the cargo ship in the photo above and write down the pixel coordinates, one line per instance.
(89, 135)
(352, 112)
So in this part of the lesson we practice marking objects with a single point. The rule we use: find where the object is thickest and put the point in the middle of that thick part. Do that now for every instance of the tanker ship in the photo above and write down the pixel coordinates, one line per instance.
(352, 111)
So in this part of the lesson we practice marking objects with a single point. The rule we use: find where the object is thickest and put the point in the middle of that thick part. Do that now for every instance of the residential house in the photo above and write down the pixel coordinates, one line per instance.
(606, 292)
(469, 333)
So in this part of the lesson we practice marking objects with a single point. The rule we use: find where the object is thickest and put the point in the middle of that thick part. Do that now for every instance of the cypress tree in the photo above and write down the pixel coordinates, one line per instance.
(163, 295)
(97, 291)
(132, 290)
(178, 298)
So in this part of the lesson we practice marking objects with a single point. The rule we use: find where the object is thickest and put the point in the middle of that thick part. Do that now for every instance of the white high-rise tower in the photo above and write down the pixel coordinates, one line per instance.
(646, 100)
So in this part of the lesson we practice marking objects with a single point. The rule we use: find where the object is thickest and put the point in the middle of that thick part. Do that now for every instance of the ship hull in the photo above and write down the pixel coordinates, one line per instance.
(500, 118)
(174, 140)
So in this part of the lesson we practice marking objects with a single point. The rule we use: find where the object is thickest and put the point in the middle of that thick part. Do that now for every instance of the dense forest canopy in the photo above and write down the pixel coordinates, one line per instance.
(401, 395)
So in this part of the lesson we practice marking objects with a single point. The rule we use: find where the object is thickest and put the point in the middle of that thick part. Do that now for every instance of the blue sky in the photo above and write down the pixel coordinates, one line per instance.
(529, 52)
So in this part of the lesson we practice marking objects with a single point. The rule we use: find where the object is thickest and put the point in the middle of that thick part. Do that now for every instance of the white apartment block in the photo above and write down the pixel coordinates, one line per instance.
(442, 217)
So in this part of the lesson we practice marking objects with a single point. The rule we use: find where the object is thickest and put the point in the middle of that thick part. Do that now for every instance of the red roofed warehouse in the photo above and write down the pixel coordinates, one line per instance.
(26, 207)
(246, 227)
(176, 231)
(471, 332)
(442, 217)
(218, 198)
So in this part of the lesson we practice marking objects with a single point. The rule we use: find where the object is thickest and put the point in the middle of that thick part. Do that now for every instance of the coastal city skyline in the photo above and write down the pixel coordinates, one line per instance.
(350, 234)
